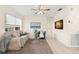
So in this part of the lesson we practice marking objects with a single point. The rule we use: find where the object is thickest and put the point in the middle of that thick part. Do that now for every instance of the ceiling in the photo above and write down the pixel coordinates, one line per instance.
(26, 10)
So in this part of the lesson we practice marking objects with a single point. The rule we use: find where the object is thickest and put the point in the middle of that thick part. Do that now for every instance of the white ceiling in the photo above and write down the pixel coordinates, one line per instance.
(26, 10)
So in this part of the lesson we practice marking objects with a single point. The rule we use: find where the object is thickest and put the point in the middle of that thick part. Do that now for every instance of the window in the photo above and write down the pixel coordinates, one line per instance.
(18, 21)
(35, 25)
(10, 20)
(12, 23)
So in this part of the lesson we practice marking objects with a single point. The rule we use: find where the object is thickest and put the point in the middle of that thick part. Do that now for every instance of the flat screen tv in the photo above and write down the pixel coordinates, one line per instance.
(59, 24)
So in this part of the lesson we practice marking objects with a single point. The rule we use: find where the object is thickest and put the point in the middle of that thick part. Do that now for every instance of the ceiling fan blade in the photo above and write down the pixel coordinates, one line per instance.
(45, 9)
(35, 10)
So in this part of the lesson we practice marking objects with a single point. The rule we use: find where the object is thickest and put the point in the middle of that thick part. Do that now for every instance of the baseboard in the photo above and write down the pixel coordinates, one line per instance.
(50, 45)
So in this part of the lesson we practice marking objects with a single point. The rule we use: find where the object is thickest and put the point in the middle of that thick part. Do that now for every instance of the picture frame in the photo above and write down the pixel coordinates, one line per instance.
(59, 24)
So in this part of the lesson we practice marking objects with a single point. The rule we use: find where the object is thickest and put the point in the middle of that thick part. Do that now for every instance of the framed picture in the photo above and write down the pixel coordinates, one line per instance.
(35, 25)
(6, 29)
(59, 24)
(17, 28)
(11, 29)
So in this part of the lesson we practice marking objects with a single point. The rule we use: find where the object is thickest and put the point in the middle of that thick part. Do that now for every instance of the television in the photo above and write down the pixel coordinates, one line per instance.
(59, 24)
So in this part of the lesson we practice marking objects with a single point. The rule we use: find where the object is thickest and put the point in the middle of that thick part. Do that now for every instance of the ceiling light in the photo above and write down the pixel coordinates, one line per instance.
(40, 12)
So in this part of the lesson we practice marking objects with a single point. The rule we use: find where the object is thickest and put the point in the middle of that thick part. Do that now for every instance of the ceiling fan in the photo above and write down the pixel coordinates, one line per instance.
(40, 10)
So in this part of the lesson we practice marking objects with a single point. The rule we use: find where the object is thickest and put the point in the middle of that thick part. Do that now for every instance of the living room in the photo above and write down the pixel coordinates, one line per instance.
(53, 23)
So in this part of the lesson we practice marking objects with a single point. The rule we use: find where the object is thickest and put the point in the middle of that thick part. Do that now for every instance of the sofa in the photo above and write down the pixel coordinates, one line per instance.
(4, 42)
(18, 40)
(13, 40)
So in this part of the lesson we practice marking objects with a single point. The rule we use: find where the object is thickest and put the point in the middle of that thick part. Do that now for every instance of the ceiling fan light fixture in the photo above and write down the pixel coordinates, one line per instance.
(40, 12)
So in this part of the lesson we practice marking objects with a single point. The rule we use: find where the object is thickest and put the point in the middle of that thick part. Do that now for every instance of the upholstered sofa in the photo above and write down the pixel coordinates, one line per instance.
(4, 42)
(18, 41)
(13, 41)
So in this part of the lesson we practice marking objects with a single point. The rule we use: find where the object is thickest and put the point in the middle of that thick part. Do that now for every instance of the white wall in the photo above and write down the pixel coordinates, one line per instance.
(49, 27)
(74, 25)
(69, 36)
(62, 35)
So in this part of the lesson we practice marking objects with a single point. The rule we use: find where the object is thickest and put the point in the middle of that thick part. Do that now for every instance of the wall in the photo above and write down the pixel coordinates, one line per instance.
(69, 36)
(73, 25)
(28, 19)
(3, 11)
(63, 35)
(49, 27)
